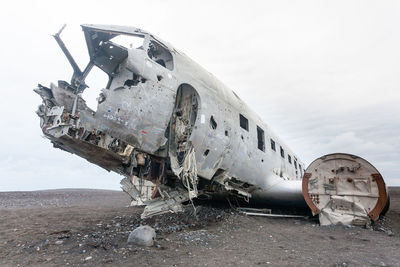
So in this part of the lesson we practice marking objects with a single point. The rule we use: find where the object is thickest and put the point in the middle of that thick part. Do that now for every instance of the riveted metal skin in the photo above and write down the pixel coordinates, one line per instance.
(344, 188)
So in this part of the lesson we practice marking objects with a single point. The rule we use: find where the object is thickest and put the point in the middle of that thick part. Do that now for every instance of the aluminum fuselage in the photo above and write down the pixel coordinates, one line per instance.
(138, 103)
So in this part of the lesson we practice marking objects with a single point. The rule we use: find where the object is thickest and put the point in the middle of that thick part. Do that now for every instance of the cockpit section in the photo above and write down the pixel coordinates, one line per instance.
(126, 110)
(127, 131)
(130, 58)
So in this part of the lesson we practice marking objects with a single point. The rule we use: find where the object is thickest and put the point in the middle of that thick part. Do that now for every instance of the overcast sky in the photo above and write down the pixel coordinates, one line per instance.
(325, 75)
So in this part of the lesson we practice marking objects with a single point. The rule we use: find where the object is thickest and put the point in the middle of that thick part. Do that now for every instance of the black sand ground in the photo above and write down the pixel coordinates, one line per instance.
(90, 227)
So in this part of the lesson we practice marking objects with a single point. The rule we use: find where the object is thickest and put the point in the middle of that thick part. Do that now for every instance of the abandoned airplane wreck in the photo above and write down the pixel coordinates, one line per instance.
(162, 118)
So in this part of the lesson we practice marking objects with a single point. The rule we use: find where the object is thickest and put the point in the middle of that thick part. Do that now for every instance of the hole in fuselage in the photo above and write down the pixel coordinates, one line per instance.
(161, 62)
(213, 123)
(130, 83)
(183, 120)
(96, 79)
(206, 152)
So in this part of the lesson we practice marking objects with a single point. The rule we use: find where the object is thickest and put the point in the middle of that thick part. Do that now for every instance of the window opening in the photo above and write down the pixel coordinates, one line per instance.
(273, 145)
(96, 79)
(213, 123)
(160, 55)
(128, 41)
(244, 122)
(282, 153)
(260, 139)
(290, 159)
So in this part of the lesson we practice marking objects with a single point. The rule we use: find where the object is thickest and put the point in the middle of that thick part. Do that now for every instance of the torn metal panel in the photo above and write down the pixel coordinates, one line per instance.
(344, 189)
(130, 189)
(170, 201)
(232, 184)
(344, 210)
(139, 190)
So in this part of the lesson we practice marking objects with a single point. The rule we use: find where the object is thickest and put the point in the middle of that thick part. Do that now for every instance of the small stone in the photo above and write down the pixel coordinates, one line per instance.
(59, 242)
(143, 236)
(88, 258)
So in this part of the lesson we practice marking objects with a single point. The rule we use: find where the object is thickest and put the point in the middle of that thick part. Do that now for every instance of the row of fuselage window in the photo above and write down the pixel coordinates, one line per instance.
(244, 123)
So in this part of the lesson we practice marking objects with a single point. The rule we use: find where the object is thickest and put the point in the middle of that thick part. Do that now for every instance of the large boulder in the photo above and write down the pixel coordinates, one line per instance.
(143, 236)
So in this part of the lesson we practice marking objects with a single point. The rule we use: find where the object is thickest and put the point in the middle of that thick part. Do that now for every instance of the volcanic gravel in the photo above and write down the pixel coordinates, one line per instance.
(91, 227)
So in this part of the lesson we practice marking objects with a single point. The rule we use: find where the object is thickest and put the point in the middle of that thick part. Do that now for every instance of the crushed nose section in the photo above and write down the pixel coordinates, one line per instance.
(64, 120)
(344, 189)
(61, 114)
(125, 133)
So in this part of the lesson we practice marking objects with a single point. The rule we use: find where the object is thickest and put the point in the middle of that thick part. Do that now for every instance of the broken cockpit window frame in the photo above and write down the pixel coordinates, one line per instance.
(96, 79)
(129, 41)
(160, 54)
(107, 50)
(109, 46)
